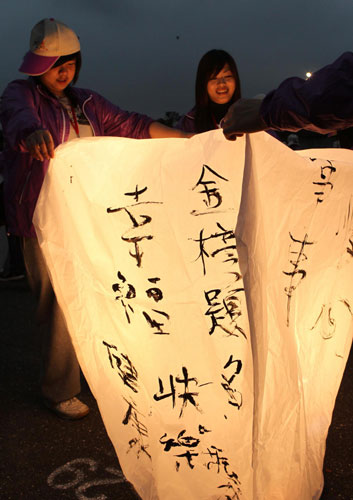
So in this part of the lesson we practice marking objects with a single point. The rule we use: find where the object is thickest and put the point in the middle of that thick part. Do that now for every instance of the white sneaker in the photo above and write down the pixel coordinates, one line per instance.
(71, 409)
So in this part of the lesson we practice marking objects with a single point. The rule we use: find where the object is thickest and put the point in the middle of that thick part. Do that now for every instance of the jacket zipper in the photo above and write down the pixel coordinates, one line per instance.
(84, 112)
(64, 125)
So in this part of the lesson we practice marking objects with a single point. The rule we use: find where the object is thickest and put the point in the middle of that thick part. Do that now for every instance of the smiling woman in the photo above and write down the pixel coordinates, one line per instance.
(217, 87)
(37, 115)
(221, 87)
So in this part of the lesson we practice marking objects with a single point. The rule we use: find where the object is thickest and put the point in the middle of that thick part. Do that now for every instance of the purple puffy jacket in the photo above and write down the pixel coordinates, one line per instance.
(323, 103)
(26, 107)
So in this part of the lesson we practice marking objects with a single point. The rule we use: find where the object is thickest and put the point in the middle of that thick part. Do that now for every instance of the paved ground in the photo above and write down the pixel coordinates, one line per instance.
(43, 457)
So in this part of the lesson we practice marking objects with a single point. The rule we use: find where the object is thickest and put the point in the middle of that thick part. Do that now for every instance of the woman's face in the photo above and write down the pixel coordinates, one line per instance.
(221, 87)
(57, 79)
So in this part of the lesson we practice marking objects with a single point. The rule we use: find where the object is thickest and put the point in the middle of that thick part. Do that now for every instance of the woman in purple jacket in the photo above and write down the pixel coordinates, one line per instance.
(217, 86)
(37, 115)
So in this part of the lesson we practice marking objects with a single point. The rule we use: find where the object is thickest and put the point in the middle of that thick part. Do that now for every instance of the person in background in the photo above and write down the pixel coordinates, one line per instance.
(217, 86)
(323, 103)
(38, 114)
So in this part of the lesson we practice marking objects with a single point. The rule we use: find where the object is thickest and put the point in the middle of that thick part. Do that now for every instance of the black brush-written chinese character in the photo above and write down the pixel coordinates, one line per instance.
(138, 220)
(154, 323)
(134, 418)
(224, 310)
(232, 487)
(163, 395)
(181, 440)
(218, 461)
(297, 273)
(156, 294)
(221, 464)
(187, 396)
(126, 293)
(208, 186)
(215, 311)
(228, 380)
(189, 456)
(324, 185)
(225, 246)
(327, 322)
(121, 362)
(185, 441)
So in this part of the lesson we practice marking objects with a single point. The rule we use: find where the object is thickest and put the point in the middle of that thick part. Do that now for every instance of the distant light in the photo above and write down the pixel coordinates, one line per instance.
(308, 74)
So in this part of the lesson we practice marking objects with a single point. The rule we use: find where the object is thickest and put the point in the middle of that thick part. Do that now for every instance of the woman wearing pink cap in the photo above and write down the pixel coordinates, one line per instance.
(38, 114)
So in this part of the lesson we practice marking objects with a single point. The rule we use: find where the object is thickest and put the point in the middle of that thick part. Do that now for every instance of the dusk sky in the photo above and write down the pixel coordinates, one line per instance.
(143, 55)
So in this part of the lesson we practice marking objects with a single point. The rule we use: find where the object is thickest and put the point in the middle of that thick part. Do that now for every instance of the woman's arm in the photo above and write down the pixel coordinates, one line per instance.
(21, 124)
(323, 103)
(120, 123)
(40, 145)
(18, 113)
(158, 130)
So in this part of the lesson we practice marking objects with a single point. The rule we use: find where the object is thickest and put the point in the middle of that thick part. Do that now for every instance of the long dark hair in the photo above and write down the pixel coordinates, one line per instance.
(209, 66)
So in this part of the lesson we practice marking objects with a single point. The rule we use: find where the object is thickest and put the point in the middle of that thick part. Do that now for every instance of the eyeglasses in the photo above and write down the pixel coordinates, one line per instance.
(222, 79)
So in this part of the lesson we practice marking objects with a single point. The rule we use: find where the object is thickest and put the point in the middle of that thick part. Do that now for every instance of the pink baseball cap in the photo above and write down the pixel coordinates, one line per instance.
(50, 39)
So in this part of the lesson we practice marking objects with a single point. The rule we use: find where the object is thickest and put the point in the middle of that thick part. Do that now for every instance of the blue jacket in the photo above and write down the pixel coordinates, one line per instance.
(323, 103)
(26, 107)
